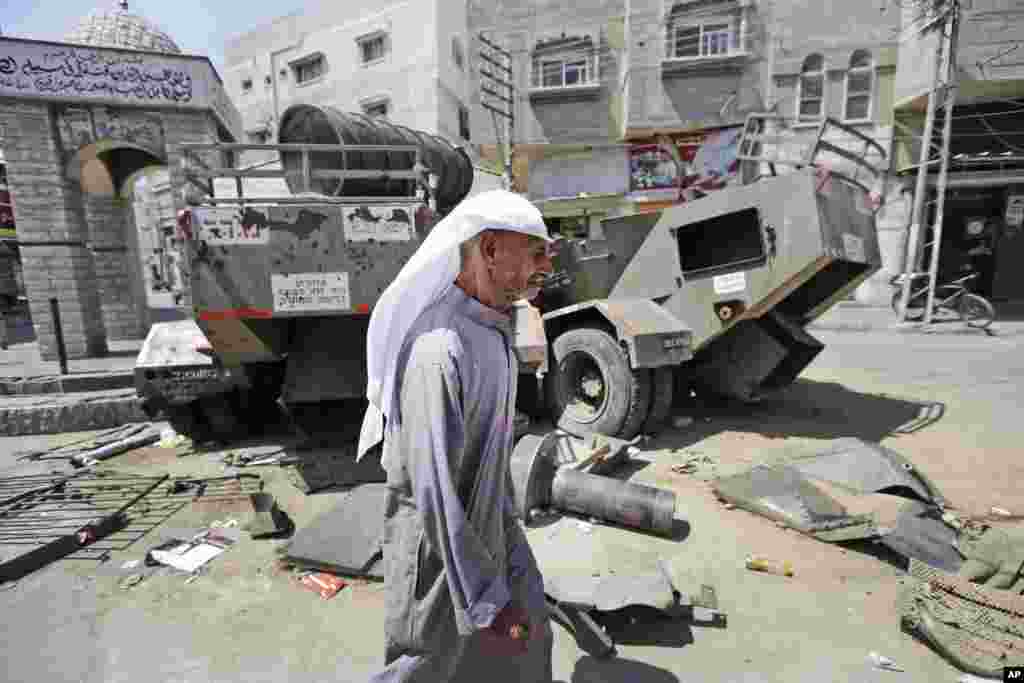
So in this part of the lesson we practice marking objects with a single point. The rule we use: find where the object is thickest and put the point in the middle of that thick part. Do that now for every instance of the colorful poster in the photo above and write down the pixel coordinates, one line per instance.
(651, 167)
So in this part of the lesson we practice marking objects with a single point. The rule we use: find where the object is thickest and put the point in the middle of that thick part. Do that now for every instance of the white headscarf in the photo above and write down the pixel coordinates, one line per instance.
(426, 278)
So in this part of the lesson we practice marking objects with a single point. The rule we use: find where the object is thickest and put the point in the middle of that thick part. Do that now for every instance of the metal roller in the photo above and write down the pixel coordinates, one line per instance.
(304, 123)
(538, 482)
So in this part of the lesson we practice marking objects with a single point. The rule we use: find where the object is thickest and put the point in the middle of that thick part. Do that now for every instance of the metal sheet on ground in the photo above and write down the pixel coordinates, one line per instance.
(346, 538)
(868, 467)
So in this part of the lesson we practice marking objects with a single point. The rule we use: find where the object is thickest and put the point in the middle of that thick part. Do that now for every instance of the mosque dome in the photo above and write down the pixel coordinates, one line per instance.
(118, 27)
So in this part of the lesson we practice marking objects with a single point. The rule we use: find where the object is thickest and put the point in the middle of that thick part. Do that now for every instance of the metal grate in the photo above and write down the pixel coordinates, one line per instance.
(88, 515)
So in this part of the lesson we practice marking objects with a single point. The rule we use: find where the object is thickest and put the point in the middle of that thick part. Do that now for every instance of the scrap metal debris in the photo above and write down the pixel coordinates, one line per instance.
(346, 539)
(539, 481)
(80, 517)
(142, 438)
(581, 603)
(267, 519)
(769, 566)
(796, 494)
(70, 449)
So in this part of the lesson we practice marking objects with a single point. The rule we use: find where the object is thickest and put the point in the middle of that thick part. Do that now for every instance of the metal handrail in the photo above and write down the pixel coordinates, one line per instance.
(754, 138)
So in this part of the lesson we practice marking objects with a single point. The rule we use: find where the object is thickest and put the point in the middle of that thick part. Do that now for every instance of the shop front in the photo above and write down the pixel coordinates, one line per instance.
(983, 232)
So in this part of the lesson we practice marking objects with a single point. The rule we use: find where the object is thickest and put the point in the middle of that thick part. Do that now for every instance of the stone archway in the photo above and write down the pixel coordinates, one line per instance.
(76, 123)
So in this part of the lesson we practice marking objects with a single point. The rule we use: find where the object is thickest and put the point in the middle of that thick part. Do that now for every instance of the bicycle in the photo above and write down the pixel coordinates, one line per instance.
(951, 297)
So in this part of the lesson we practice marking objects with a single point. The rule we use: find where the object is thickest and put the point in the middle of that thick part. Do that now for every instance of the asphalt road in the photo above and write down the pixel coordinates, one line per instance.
(244, 621)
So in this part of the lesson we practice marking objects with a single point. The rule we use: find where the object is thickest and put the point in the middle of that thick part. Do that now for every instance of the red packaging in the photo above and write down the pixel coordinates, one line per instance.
(327, 585)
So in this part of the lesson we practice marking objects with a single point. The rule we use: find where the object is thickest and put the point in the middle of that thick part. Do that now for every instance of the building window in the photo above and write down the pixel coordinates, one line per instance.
(376, 108)
(688, 39)
(247, 85)
(373, 48)
(309, 69)
(563, 72)
(457, 55)
(811, 96)
(859, 82)
(463, 122)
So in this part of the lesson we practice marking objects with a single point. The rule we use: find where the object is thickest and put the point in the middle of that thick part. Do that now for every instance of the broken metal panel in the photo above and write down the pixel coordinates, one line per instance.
(920, 534)
(868, 468)
(611, 592)
(781, 494)
(348, 538)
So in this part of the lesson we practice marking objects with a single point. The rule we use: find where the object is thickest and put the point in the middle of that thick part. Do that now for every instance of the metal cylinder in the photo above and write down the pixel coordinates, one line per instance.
(311, 124)
(634, 505)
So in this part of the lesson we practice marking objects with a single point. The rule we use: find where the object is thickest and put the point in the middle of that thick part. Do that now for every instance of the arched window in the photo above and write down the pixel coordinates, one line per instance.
(859, 84)
(812, 89)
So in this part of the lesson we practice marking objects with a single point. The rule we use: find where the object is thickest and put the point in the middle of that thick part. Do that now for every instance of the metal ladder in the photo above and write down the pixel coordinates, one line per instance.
(944, 88)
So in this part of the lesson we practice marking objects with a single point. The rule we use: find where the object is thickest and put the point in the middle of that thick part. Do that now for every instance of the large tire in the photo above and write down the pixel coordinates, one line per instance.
(591, 388)
(976, 311)
(662, 394)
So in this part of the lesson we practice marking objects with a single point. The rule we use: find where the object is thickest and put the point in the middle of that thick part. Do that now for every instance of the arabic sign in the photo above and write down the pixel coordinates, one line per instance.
(379, 223)
(55, 71)
(310, 292)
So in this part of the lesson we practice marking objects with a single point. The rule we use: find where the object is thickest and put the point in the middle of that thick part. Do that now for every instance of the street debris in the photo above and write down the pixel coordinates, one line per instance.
(192, 554)
(693, 464)
(267, 520)
(199, 486)
(130, 581)
(139, 439)
(171, 439)
(345, 540)
(259, 455)
(66, 451)
(882, 662)
(538, 481)
(322, 583)
(52, 517)
(977, 628)
(796, 495)
(583, 603)
(769, 566)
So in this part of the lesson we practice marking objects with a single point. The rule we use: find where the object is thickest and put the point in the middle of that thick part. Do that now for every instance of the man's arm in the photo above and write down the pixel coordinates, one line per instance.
(432, 440)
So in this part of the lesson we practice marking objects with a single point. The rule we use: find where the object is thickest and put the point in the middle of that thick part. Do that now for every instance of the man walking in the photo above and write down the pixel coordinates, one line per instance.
(465, 600)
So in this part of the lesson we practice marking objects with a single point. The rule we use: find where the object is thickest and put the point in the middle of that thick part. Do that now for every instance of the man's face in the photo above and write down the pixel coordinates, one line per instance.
(519, 265)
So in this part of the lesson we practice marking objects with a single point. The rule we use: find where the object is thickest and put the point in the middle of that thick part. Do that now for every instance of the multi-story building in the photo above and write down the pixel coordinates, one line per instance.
(984, 203)
(406, 60)
(639, 104)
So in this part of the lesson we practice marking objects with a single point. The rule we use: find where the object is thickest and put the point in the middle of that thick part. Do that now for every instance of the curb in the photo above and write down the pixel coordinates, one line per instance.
(69, 413)
(66, 384)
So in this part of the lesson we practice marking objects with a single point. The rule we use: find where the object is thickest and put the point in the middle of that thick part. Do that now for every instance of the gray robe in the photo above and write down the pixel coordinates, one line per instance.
(455, 554)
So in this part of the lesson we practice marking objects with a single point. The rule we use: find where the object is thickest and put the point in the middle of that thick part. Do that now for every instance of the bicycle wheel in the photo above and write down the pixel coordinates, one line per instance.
(976, 311)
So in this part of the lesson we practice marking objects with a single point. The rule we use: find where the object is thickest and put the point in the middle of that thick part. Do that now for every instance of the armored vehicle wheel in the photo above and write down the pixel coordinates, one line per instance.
(591, 388)
(662, 393)
(183, 420)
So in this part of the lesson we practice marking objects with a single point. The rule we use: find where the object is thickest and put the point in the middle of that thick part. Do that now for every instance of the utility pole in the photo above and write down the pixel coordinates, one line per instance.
(944, 87)
(498, 95)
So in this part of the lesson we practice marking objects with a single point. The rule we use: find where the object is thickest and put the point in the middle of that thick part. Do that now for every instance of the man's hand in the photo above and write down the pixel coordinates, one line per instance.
(510, 632)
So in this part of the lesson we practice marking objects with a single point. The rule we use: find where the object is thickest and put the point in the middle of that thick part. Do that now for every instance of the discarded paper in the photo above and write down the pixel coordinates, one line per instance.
(189, 556)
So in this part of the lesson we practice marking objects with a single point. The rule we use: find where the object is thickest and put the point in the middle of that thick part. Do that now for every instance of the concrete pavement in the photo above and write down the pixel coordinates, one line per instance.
(246, 621)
